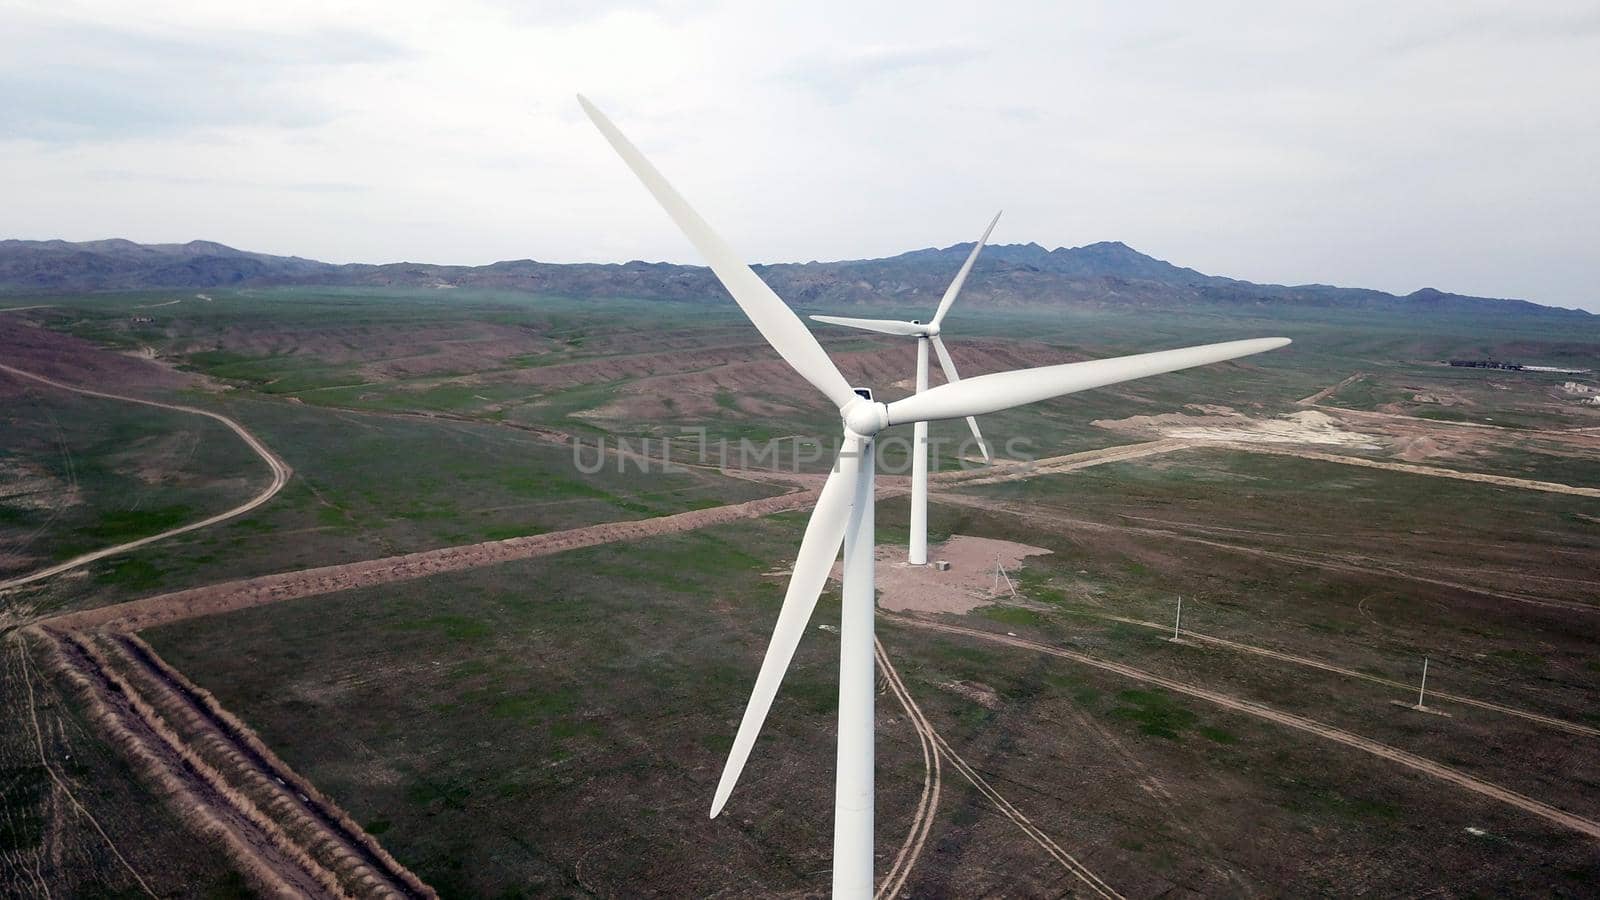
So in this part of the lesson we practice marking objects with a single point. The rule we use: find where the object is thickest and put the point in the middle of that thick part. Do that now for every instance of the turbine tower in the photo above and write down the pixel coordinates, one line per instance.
(926, 333)
(844, 510)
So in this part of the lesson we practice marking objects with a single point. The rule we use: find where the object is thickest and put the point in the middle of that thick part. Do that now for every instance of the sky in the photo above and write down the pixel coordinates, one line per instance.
(1392, 145)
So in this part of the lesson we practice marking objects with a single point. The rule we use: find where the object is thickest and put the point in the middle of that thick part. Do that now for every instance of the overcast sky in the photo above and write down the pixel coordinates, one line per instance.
(1392, 145)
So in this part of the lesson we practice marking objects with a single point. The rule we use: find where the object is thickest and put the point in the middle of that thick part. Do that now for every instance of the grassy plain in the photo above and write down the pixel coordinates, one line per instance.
(565, 719)
(556, 725)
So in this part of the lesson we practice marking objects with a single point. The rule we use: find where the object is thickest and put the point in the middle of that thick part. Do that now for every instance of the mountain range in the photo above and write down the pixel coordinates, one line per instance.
(1105, 274)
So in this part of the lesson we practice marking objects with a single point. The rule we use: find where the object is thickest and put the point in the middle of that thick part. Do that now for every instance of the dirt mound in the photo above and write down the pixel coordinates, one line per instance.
(1416, 449)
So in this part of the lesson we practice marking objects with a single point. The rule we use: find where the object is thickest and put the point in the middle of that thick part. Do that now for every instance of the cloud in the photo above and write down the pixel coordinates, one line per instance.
(1498, 28)
(68, 82)
(837, 77)
(120, 176)
(1444, 142)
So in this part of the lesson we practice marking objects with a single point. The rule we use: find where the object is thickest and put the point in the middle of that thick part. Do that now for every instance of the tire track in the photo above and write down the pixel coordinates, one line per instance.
(1301, 723)
(38, 738)
(279, 469)
(1068, 861)
(932, 782)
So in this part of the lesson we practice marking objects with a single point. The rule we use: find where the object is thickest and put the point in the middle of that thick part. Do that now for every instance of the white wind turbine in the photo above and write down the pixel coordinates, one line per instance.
(844, 510)
(926, 333)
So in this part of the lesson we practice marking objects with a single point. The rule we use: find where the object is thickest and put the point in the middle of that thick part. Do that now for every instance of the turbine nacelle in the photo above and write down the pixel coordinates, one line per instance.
(864, 416)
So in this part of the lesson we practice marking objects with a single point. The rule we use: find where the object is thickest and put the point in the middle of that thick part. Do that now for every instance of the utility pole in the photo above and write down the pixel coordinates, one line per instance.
(1422, 696)
(1423, 691)
(999, 574)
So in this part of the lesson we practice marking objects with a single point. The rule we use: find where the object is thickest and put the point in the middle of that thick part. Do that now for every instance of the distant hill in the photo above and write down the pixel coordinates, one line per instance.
(1106, 274)
(116, 264)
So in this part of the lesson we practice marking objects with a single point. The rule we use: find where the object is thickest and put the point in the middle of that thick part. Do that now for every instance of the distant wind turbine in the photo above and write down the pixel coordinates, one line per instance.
(926, 333)
(844, 510)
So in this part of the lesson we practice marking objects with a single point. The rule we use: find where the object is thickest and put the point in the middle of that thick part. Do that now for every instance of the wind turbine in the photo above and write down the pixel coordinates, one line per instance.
(844, 510)
(926, 333)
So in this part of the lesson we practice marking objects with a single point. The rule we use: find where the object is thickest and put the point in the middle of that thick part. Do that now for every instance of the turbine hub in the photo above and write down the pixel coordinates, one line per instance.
(864, 416)
(930, 330)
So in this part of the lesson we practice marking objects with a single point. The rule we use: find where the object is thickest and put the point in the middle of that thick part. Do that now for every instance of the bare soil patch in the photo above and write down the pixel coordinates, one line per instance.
(62, 357)
(1304, 427)
(966, 585)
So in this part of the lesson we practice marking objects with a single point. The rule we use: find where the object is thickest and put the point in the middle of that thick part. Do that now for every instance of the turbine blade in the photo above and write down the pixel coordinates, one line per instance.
(950, 376)
(771, 316)
(883, 326)
(1003, 390)
(961, 276)
(818, 549)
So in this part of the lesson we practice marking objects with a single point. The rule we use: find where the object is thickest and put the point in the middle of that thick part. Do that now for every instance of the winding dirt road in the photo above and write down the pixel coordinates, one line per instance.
(279, 469)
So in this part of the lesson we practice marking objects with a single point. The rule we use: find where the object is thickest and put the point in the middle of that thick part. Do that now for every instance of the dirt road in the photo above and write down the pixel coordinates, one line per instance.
(146, 612)
(1413, 469)
(1300, 723)
(1006, 470)
(1562, 724)
(1045, 514)
(1330, 390)
(280, 476)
